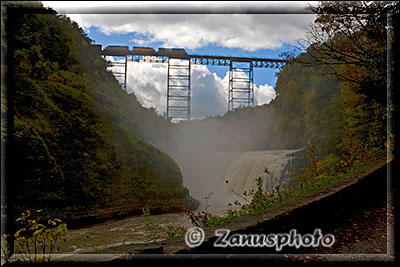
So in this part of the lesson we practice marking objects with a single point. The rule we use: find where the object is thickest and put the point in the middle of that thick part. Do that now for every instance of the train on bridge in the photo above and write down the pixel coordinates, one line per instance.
(115, 50)
(240, 90)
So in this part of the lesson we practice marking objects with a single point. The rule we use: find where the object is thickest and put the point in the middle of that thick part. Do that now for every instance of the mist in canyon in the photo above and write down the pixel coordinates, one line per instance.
(225, 155)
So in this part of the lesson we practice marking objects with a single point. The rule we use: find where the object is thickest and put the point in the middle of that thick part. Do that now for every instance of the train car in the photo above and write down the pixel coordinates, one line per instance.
(116, 50)
(172, 52)
(139, 48)
(143, 50)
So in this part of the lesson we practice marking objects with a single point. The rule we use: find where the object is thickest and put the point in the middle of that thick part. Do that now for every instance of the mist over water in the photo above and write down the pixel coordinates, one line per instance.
(205, 173)
(238, 147)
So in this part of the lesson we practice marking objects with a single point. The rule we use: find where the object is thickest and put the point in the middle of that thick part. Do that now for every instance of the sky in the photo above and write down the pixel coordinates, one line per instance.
(214, 29)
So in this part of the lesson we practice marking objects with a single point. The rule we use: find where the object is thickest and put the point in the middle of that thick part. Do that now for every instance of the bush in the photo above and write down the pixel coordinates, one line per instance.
(34, 241)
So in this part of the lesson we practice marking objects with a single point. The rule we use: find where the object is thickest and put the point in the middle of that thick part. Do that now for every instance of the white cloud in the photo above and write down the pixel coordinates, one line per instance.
(129, 6)
(245, 31)
(264, 94)
(148, 81)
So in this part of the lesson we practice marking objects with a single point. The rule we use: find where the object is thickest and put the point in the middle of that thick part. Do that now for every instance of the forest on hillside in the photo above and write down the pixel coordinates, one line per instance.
(76, 140)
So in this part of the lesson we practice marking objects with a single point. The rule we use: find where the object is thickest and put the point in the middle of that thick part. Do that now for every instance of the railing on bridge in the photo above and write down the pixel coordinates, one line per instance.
(241, 77)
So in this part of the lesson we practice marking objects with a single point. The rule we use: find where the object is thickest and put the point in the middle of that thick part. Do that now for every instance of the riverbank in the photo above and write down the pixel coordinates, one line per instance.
(132, 230)
(100, 215)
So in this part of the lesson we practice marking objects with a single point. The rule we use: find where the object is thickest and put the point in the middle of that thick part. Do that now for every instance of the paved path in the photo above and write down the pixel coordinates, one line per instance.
(366, 235)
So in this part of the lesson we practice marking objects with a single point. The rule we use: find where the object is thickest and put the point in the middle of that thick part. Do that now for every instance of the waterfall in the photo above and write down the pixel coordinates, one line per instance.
(242, 168)
(207, 173)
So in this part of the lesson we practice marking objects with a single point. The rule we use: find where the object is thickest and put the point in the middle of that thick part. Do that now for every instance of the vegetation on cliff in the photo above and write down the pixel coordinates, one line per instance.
(76, 133)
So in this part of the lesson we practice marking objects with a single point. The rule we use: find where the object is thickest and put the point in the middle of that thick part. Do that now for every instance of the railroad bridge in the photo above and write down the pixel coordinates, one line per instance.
(241, 77)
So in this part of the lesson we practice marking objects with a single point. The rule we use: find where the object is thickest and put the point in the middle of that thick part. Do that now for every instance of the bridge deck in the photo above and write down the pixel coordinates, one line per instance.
(163, 54)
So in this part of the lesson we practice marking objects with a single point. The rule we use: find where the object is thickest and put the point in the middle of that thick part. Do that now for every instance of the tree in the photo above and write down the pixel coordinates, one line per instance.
(351, 37)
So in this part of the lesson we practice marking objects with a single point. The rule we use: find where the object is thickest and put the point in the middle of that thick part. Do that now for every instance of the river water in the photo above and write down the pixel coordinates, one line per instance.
(222, 177)
(131, 230)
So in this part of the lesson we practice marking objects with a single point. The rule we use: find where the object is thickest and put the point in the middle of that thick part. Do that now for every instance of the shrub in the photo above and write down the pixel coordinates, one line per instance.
(34, 241)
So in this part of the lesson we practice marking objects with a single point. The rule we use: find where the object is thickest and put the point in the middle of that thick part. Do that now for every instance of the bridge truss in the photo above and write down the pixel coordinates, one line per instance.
(241, 76)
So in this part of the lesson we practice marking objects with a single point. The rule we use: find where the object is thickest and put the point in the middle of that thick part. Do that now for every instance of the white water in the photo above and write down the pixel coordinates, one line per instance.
(208, 173)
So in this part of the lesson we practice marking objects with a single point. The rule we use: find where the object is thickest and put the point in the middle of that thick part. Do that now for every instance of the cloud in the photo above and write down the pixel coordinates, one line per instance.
(249, 32)
(264, 94)
(148, 81)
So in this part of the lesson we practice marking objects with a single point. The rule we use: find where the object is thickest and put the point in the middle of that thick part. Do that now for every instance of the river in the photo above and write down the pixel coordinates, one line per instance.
(204, 175)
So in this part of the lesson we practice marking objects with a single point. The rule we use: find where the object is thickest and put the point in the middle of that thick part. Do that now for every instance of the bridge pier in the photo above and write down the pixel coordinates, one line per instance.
(178, 89)
(122, 72)
(241, 86)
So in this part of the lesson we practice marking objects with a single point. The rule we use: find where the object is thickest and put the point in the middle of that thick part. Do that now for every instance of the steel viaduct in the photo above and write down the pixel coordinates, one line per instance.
(241, 91)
